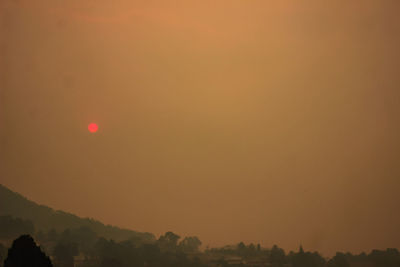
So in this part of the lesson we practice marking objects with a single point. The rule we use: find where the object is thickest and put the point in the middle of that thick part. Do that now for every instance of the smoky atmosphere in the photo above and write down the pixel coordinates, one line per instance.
(218, 133)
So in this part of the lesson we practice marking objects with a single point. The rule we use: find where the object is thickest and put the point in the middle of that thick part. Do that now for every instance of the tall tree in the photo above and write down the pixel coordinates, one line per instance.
(25, 253)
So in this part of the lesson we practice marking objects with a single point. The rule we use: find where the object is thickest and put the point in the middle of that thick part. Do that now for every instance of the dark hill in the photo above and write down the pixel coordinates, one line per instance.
(45, 218)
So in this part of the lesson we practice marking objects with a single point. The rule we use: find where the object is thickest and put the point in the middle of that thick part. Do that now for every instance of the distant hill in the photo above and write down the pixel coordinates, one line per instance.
(45, 218)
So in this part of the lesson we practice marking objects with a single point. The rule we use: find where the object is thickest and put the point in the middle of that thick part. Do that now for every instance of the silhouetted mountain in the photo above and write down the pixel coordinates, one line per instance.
(45, 218)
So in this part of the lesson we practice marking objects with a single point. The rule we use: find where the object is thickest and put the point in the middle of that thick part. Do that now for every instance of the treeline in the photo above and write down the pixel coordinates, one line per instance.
(66, 252)
(167, 251)
(83, 247)
(276, 257)
(90, 250)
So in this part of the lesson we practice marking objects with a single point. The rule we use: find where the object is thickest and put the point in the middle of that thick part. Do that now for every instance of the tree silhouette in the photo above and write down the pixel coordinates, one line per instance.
(339, 260)
(190, 244)
(64, 253)
(387, 258)
(277, 256)
(168, 241)
(307, 259)
(241, 247)
(25, 253)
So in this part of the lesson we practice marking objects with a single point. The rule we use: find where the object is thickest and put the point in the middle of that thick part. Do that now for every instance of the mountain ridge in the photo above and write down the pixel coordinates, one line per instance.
(45, 218)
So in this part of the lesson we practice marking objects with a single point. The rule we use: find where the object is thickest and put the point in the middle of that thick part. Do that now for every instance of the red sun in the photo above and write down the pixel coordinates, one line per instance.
(93, 127)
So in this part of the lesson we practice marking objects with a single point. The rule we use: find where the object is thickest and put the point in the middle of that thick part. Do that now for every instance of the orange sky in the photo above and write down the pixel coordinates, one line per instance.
(257, 121)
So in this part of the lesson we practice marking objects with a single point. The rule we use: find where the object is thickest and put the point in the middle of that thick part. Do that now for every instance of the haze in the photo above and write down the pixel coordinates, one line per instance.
(273, 122)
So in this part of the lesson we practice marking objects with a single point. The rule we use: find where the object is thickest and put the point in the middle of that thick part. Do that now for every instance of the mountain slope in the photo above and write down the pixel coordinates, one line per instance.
(45, 218)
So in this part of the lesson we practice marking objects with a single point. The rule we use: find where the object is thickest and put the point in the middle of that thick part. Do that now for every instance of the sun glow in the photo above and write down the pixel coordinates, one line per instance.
(92, 127)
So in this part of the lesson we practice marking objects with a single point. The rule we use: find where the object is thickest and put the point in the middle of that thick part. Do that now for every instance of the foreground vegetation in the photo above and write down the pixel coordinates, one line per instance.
(82, 247)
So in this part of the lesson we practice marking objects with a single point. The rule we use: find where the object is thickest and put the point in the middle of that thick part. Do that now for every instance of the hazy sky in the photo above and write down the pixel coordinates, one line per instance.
(233, 120)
